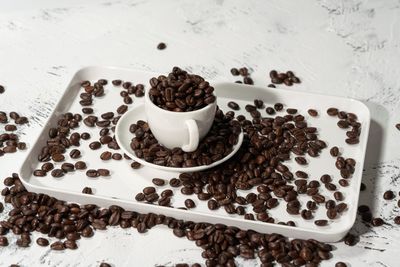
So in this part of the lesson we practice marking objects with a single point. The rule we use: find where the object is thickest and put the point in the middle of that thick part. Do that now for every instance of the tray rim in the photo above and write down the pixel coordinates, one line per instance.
(333, 235)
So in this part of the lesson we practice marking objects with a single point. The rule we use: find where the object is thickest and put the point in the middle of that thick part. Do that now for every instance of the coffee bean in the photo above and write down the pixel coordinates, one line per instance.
(39, 173)
(212, 204)
(291, 111)
(103, 172)
(2, 89)
(58, 245)
(332, 111)
(389, 195)
(48, 166)
(140, 197)
(104, 264)
(334, 151)
(92, 173)
(58, 157)
(57, 173)
(106, 155)
(233, 105)
(352, 141)
(340, 264)
(301, 160)
(321, 222)
(87, 190)
(67, 167)
(161, 46)
(43, 242)
(149, 190)
(70, 244)
(189, 203)
(95, 145)
(350, 240)
(135, 165)
(3, 241)
(158, 181)
(278, 106)
(397, 220)
(80, 165)
(85, 136)
(377, 222)
(312, 112)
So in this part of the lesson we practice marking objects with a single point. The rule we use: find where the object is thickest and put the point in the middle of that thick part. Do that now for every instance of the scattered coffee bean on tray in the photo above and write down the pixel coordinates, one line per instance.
(334, 151)
(181, 92)
(312, 112)
(189, 203)
(233, 105)
(43, 242)
(161, 46)
(87, 190)
(398, 126)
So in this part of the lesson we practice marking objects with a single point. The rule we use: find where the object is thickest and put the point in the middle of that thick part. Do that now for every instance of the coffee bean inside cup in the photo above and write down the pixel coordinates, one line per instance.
(181, 91)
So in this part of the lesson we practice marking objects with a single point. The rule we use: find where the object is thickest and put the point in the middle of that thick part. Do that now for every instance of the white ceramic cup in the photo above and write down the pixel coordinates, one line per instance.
(179, 129)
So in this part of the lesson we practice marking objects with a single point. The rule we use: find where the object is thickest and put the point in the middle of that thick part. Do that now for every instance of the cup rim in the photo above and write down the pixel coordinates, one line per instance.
(147, 96)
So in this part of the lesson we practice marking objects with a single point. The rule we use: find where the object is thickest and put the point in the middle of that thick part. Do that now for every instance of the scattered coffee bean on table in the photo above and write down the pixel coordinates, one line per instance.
(158, 181)
(340, 264)
(398, 126)
(181, 92)
(233, 105)
(161, 46)
(389, 195)
(287, 78)
(43, 242)
(312, 112)
(2, 89)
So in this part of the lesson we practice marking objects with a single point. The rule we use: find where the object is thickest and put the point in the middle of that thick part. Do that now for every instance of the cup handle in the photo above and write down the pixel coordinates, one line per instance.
(193, 136)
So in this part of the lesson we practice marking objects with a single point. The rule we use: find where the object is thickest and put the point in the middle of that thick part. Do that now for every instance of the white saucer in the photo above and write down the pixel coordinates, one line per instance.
(124, 137)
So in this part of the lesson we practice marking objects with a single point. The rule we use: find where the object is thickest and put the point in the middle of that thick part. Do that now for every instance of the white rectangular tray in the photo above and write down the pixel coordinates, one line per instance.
(124, 183)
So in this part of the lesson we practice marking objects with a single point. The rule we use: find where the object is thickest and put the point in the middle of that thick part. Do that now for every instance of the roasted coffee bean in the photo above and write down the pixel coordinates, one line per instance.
(278, 106)
(106, 155)
(352, 141)
(103, 172)
(332, 111)
(291, 111)
(161, 46)
(331, 213)
(140, 197)
(149, 190)
(116, 156)
(340, 264)
(57, 173)
(321, 222)
(212, 204)
(58, 157)
(301, 174)
(67, 167)
(104, 264)
(92, 173)
(343, 182)
(350, 240)
(85, 136)
(87, 190)
(158, 181)
(2, 89)
(301, 160)
(189, 203)
(389, 195)
(135, 165)
(334, 151)
(312, 112)
(397, 220)
(43, 242)
(80, 165)
(233, 105)
(3, 241)
(58, 245)
(39, 173)
(377, 222)
(338, 196)
(95, 145)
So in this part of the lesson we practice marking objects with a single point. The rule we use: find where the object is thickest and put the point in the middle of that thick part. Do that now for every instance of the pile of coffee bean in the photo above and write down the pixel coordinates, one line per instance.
(288, 78)
(69, 222)
(181, 91)
(348, 121)
(217, 144)
(244, 72)
(9, 141)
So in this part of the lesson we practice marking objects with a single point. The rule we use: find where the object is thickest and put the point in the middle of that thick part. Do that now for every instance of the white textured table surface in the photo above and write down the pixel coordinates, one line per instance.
(346, 48)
